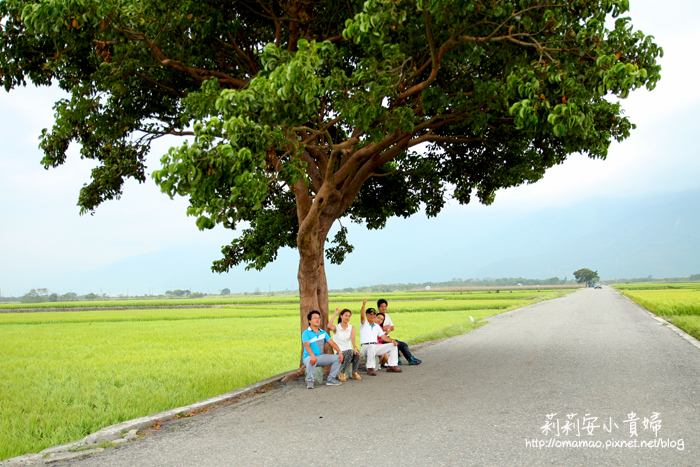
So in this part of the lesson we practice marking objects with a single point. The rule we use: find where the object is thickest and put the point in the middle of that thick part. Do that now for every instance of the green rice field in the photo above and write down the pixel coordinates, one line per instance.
(68, 374)
(679, 303)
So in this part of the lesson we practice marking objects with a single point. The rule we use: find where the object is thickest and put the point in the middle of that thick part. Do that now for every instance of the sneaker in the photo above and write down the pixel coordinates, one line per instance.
(400, 362)
(415, 361)
(333, 382)
(341, 377)
(309, 385)
(356, 376)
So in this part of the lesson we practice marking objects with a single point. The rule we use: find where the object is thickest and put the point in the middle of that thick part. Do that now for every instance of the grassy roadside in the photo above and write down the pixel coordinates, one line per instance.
(679, 304)
(68, 374)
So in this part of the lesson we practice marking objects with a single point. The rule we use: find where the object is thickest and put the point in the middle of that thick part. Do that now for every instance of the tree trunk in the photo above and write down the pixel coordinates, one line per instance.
(316, 215)
(313, 288)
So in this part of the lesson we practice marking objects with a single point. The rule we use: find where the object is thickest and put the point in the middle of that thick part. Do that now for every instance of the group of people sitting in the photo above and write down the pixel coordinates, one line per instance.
(374, 342)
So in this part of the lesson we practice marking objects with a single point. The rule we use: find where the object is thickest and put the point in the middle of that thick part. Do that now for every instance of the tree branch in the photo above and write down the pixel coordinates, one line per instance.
(251, 65)
(312, 169)
(197, 73)
(448, 45)
(389, 151)
(160, 85)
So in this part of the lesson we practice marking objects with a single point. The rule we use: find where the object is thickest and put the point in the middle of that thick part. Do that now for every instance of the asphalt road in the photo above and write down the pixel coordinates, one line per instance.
(590, 359)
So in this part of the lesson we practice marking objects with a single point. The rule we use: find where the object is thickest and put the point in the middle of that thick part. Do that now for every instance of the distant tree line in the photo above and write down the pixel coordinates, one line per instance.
(456, 282)
(692, 277)
(184, 293)
(43, 295)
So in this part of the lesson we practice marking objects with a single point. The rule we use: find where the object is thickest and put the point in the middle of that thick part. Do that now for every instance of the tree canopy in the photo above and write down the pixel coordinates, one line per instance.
(301, 113)
(585, 275)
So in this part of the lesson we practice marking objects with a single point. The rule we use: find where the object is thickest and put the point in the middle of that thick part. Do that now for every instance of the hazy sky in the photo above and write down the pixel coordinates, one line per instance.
(42, 236)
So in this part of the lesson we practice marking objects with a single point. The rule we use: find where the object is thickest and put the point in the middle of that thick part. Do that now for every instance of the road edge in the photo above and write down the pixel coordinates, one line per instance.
(693, 341)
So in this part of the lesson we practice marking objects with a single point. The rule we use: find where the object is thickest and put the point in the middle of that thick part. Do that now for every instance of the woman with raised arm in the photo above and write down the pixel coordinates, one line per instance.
(344, 336)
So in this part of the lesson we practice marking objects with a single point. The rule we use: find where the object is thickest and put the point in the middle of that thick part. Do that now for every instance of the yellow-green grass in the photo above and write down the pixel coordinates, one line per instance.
(658, 286)
(667, 302)
(64, 380)
(690, 324)
(68, 374)
(253, 311)
(161, 315)
(681, 306)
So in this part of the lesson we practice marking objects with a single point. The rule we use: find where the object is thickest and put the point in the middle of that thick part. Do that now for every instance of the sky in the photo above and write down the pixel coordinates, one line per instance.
(44, 243)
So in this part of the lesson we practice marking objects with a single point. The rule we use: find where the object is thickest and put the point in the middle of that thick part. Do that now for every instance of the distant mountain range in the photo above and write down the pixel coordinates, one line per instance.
(653, 236)
(636, 237)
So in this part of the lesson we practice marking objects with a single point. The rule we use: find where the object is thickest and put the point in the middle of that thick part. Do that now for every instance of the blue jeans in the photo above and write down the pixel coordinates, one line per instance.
(403, 348)
(322, 360)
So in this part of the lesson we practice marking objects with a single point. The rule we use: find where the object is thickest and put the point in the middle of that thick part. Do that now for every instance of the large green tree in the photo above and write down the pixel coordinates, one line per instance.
(302, 113)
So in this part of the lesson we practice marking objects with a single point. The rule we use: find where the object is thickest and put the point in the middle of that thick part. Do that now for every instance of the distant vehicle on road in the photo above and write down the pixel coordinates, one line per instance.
(598, 286)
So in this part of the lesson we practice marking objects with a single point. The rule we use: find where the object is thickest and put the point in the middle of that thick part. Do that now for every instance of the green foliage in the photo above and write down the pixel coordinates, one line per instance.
(336, 254)
(303, 112)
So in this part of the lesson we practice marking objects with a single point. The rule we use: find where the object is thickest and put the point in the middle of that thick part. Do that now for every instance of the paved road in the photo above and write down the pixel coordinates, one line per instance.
(480, 399)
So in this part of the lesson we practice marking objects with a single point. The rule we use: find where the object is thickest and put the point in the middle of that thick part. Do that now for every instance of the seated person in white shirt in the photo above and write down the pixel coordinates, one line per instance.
(344, 336)
(369, 333)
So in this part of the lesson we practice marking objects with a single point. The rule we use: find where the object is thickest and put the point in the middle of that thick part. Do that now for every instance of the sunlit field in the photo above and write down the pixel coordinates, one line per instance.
(659, 286)
(679, 303)
(68, 374)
